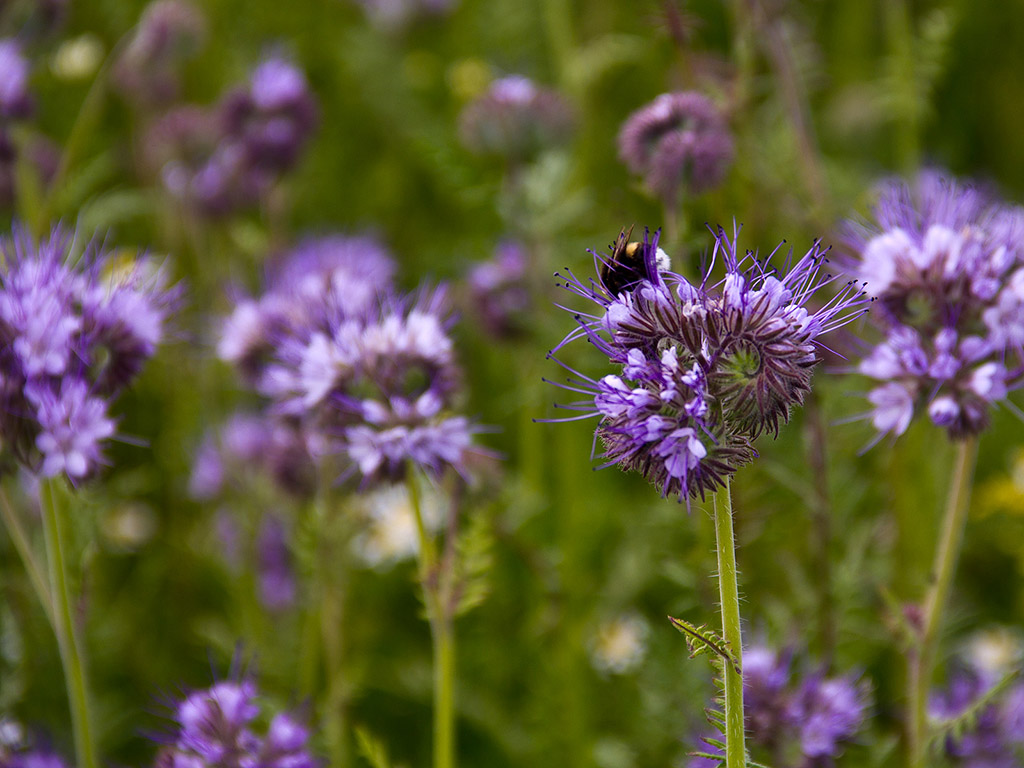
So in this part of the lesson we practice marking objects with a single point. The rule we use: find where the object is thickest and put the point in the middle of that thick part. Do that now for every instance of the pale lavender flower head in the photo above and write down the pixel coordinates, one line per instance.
(499, 290)
(678, 142)
(75, 331)
(169, 33)
(215, 729)
(323, 280)
(946, 263)
(380, 387)
(273, 118)
(515, 118)
(15, 101)
(705, 368)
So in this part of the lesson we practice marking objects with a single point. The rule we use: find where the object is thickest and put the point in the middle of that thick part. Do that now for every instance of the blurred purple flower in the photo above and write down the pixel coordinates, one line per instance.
(515, 119)
(15, 101)
(946, 263)
(215, 730)
(273, 119)
(168, 34)
(807, 718)
(678, 142)
(76, 330)
(499, 290)
(705, 368)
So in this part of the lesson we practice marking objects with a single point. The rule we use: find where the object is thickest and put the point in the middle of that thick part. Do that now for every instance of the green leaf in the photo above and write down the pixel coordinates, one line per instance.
(701, 640)
(475, 558)
(372, 748)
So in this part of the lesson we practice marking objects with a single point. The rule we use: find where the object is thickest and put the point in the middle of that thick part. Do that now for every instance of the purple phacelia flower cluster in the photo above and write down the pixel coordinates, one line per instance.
(799, 719)
(363, 372)
(218, 160)
(680, 142)
(515, 119)
(946, 264)
(75, 330)
(704, 368)
(499, 291)
(215, 730)
(996, 738)
(169, 33)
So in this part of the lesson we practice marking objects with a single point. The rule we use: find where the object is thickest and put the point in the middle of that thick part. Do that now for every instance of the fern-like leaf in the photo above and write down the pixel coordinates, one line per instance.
(955, 727)
(701, 640)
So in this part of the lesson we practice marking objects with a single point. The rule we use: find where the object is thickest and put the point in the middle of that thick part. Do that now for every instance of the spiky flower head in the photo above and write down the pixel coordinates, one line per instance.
(515, 118)
(215, 727)
(946, 262)
(76, 327)
(705, 368)
(680, 142)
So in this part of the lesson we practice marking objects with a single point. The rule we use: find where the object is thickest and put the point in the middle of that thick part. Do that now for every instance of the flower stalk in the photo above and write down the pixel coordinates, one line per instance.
(922, 658)
(68, 641)
(728, 586)
(437, 599)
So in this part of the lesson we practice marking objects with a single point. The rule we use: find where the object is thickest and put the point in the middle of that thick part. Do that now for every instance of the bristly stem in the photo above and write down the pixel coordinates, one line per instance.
(439, 614)
(921, 659)
(68, 642)
(728, 586)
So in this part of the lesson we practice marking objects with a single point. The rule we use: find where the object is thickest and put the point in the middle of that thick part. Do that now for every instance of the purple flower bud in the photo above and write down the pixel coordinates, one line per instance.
(678, 142)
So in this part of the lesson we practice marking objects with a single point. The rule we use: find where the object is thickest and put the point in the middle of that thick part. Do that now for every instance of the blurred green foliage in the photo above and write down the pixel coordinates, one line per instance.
(885, 86)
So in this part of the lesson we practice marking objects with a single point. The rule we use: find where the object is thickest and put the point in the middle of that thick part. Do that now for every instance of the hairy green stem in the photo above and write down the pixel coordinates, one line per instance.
(437, 600)
(728, 586)
(921, 659)
(68, 642)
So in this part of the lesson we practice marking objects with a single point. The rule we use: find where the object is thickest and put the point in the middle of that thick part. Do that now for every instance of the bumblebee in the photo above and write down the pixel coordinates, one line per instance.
(627, 265)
